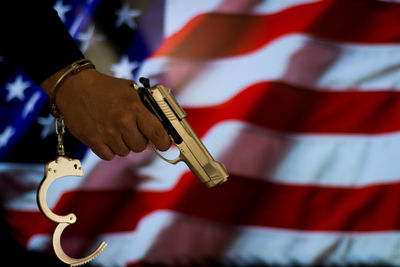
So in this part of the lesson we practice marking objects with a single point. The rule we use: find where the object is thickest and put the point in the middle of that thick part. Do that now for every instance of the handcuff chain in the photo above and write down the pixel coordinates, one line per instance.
(60, 134)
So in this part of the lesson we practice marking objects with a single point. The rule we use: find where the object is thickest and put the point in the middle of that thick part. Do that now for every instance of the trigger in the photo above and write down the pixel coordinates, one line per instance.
(174, 161)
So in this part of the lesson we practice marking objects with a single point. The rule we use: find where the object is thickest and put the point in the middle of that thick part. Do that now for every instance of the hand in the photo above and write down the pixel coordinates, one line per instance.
(106, 114)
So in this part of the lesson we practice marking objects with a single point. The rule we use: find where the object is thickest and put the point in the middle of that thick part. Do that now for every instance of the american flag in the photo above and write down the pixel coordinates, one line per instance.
(298, 98)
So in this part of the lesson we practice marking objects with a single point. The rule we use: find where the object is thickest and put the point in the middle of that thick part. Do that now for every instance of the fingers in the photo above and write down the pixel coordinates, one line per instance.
(145, 127)
(110, 122)
(132, 130)
(138, 126)
(152, 128)
(130, 135)
(134, 139)
(103, 151)
(118, 146)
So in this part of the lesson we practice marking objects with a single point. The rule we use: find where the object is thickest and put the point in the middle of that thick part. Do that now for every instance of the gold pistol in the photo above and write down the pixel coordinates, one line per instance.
(160, 101)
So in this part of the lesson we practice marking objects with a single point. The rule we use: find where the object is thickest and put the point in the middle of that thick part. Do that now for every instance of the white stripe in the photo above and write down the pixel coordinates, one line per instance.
(179, 12)
(294, 59)
(367, 67)
(326, 160)
(197, 240)
(249, 151)
(289, 247)
(19, 182)
(219, 80)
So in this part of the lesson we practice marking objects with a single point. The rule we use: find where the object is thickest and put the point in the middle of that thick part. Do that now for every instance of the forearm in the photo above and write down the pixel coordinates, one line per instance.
(103, 112)
(36, 38)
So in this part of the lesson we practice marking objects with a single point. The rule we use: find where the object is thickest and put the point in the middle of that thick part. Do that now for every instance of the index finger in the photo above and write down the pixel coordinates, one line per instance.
(152, 128)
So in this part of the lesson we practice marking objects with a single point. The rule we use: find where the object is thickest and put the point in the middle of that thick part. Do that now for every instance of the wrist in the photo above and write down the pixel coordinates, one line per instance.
(48, 83)
(53, 84)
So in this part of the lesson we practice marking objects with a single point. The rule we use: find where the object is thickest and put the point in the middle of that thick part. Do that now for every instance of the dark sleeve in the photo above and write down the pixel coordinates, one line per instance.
(34, 37)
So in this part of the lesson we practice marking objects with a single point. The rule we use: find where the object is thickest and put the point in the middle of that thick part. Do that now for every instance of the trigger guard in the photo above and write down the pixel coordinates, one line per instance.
(173, 161)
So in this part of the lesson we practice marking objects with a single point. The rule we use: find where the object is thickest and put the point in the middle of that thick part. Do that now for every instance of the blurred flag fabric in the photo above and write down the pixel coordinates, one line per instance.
(298, 98)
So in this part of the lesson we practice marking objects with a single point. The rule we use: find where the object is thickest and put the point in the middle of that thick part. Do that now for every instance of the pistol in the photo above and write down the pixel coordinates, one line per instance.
(160, 101)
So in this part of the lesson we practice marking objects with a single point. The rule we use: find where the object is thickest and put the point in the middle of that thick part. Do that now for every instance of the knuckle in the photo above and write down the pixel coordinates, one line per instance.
(90, 141)
(159, 133)
(130, 109)
(122, 153)
(103, 153)
(164, 146)
(136, 107)
(107, 157)
(139, 147)
(123, 120)
(108, 133)
(161, 139)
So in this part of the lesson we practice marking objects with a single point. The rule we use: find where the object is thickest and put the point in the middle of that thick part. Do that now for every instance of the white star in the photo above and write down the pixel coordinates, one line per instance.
(30, 104)
(48, 126)
(88, 38)
(125, 15)
(17, 88)
(124, 68)
(61, 9)
(6, 135)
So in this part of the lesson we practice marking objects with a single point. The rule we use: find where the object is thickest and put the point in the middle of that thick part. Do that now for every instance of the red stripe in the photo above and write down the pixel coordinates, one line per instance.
(216, 35)
(294, 109)
(240, 201)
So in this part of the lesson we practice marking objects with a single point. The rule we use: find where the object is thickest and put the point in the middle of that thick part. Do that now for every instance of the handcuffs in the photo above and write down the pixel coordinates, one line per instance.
(60, 167)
